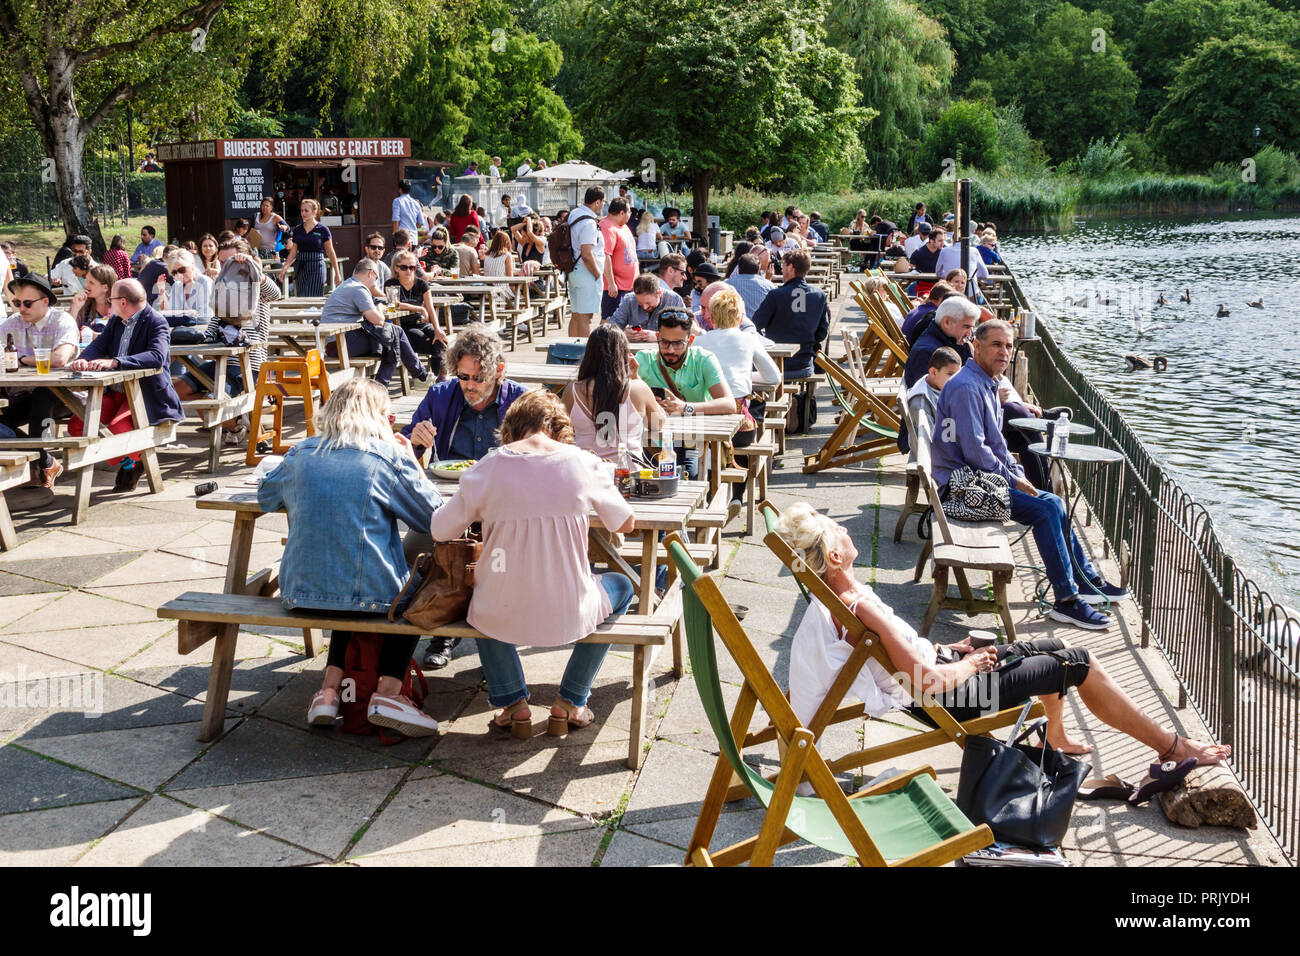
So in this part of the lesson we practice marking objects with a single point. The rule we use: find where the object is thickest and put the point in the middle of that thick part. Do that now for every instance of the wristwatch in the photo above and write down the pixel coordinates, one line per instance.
(689, 409)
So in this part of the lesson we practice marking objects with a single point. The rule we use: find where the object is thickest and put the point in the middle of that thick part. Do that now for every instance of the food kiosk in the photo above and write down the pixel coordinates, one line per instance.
(212, 183)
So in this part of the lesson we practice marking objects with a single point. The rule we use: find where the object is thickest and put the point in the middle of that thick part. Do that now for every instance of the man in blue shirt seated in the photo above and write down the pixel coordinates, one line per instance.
(748, 280)
(968, 432)
(795, 313)
(637, 313)
(459, 419)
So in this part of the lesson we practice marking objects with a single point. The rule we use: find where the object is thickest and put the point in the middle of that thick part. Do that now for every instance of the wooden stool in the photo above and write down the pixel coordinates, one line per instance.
(279, 379)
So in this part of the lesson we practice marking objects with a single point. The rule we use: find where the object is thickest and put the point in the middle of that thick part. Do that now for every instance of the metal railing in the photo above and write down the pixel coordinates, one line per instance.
(1232, 646)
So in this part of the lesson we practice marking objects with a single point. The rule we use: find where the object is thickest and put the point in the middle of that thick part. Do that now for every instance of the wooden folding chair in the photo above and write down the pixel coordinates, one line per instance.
(944, 727)
(904, 821)
(862, 410)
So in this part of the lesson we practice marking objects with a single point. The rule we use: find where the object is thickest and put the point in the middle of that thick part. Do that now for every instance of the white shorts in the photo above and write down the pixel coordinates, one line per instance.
(584, 291)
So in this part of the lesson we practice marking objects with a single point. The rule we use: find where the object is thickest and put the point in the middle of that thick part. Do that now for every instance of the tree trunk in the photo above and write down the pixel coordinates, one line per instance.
(63, 134)
(700, 202)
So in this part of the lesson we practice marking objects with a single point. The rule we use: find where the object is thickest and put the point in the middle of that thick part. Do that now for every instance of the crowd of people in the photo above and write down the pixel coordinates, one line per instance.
(541, 458)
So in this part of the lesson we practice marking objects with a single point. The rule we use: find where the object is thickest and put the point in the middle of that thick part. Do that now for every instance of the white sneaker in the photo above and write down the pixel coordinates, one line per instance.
(321, 714)
(235, 439)
(733, 510)
(397, 714)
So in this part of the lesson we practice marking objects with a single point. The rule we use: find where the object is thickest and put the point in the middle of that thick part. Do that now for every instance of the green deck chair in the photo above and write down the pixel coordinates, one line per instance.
(904, 821)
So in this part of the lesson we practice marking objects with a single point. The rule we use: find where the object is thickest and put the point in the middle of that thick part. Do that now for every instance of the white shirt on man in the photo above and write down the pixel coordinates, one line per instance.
(523, 170)
(912, 243)
(55, 328)
(494, 173)
(584, 229)
(63, 273)
(950, 258)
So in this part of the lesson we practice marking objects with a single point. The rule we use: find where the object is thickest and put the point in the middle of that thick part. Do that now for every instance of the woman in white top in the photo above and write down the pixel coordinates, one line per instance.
(647, 236)
(499, 262)
(965, 680)
(607, 403)
(190, 290)
(739, 351)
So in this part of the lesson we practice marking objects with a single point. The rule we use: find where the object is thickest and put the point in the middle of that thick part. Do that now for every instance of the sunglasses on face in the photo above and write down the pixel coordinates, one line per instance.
(481, 377)
(439, 248)
(405, 268)
(180, 272)
(376, 248)
(674, 345)
(28, 303)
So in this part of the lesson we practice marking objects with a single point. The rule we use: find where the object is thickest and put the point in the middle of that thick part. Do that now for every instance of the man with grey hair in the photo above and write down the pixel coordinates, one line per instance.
(951, 328)
(968, 434)
(459, 419)
(354, 301)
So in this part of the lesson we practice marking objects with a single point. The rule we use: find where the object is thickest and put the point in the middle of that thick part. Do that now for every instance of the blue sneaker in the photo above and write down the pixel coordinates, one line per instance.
(1098, 591)
(1080, 614)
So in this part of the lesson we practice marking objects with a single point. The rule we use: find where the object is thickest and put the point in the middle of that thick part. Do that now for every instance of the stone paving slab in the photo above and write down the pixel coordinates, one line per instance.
(165, 832)
(29, 781)
(58, 837)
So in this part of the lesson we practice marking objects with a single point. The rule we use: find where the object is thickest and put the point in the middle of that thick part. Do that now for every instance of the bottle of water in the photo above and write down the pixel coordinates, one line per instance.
(1061, 438)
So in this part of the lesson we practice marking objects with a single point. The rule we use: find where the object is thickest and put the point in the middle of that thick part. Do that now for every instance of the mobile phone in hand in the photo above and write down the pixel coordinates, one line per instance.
(659, 393)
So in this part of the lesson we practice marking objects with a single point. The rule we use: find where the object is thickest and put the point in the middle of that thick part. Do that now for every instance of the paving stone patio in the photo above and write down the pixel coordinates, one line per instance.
(132, 785)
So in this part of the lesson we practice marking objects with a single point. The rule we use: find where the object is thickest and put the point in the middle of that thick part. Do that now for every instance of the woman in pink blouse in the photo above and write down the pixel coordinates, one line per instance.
(533, 585)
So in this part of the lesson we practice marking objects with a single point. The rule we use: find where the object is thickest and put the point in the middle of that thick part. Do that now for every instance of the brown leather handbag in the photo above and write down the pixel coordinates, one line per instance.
(446, 576)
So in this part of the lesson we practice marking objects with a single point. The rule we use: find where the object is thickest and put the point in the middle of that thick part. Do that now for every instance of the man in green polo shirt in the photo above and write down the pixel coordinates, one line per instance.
(687, 381)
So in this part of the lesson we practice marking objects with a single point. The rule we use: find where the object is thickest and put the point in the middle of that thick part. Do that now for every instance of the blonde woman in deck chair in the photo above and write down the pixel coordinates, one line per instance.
(966, 681)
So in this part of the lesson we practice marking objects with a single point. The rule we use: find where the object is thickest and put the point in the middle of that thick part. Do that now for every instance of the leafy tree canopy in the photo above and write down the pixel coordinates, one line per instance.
(1220, 94)
(1071, 80)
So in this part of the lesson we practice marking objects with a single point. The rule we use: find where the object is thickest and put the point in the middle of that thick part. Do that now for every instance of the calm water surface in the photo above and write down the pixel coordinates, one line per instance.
(1224, 418)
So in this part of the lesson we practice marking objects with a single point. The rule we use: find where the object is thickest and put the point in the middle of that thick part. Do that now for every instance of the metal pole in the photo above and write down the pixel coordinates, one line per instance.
(963, 221)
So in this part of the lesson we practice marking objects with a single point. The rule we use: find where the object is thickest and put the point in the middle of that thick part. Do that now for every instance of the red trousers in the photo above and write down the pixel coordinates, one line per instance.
(116, 414)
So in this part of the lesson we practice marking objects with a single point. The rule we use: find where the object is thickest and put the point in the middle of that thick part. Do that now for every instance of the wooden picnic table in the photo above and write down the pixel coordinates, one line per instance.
(220, 407)
(652, 516)
(96, 444)
(293, 334)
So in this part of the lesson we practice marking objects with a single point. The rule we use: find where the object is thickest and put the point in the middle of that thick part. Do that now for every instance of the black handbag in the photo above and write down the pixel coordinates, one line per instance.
(1024, 793)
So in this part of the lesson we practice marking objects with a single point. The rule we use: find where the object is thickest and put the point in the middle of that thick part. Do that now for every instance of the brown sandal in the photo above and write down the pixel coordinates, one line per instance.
(557, 725)
(519, 721)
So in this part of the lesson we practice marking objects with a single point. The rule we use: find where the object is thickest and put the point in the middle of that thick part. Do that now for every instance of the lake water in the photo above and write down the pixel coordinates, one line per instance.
(1224, 419)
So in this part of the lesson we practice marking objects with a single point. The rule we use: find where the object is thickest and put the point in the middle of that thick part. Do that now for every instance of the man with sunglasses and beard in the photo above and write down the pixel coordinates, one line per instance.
(459, 419)
(685, 380)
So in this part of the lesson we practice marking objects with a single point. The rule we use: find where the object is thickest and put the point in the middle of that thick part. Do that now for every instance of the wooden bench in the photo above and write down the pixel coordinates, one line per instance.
(203, 617)
(960, 546)
(15, 470)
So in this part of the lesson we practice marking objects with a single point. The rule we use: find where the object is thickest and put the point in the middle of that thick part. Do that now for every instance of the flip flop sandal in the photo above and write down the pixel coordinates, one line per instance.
(1162, 777)
(1110, 787)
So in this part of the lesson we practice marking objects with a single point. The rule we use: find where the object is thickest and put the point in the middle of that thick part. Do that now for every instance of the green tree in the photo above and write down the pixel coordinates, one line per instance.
(1171, 30)
(73, 63)
(964, 137)
(474, 88)
(717, 95)
(1220, 94)
(1071, 80)
(903, 65)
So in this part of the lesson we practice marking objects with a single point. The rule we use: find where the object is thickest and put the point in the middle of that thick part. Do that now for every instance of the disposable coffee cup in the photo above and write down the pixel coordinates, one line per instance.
(980, 639)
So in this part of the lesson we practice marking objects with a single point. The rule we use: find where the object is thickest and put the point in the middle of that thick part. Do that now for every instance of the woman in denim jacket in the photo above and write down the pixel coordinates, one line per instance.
(344, 490)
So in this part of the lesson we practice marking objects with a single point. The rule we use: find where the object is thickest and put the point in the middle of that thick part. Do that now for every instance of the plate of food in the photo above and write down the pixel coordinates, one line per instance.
(452, 470)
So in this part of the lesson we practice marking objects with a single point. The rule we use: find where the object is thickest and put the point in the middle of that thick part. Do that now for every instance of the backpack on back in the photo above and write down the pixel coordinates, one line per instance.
(360, 680)
(560, 242)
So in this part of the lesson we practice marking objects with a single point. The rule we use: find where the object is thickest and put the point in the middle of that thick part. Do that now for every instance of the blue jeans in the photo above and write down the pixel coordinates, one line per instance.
(505, 673)
(1067, 565)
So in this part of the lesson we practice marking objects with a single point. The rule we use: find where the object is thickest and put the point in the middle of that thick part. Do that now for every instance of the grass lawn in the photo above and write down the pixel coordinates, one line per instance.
(34, 242)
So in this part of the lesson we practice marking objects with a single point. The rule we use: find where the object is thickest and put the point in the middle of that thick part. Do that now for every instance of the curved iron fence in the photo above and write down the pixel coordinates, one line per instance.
(1232, 646)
